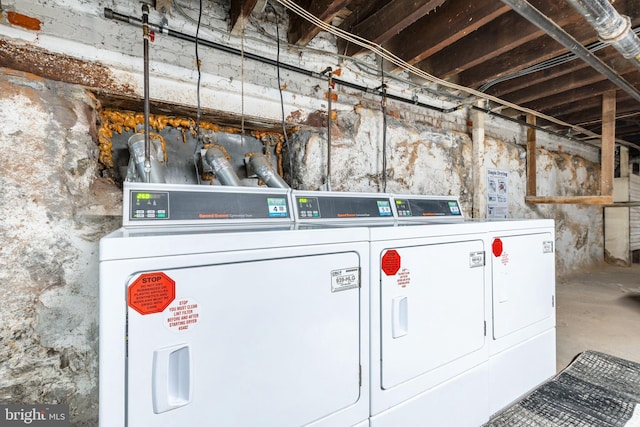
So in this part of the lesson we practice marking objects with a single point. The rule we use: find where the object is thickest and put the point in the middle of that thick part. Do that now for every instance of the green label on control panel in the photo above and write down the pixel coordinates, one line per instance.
(277, 207)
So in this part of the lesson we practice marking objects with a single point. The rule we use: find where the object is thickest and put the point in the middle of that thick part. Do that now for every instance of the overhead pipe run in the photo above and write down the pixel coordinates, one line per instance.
(612, 28)
(132, 20)
(537, 18)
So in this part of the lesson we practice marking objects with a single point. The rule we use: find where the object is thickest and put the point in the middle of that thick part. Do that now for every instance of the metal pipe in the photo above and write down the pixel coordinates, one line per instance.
(541, 21)
(221, 167)
(383, 104)
(612, 28)
(132, 20)
(260, 165)
(140, 157)
(329, 131)
(111, 14)
(147, 139)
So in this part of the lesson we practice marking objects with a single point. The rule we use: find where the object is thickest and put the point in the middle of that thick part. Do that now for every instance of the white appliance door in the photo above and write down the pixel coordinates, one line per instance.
(432, 308)
(523, 269)
(244, 343)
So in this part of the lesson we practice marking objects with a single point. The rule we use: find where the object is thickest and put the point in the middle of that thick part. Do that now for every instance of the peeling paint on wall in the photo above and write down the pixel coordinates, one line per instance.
(48, 324)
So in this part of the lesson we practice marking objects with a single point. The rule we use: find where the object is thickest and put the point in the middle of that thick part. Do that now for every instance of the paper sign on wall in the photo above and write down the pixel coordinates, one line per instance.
(497, 193)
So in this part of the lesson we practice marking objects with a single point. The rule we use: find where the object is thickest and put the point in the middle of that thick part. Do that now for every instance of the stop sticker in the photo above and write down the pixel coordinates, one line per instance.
(496, 247)
(391, 262)
(151, 293)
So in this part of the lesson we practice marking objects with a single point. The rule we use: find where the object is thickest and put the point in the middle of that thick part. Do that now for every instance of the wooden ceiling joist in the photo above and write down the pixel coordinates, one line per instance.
(301, 31)
(388, 21)
(454, 20)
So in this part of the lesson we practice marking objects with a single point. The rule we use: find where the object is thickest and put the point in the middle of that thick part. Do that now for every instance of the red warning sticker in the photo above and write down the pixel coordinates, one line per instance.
(182, 315)
(391, 262)
(151, 293)
(496, 247)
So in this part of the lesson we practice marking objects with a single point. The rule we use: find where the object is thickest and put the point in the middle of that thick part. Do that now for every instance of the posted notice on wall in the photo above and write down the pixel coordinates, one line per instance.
(497, 194)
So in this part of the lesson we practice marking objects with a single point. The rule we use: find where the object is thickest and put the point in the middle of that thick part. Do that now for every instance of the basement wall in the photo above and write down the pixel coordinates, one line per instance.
(56, 200)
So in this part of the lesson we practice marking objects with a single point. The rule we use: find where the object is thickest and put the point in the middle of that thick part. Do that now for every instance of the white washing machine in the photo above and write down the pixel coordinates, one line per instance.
(429, 349)
(523, 339)
(238, 320)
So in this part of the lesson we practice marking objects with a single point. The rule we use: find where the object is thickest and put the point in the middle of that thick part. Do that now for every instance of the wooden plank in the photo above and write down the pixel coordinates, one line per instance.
(590, 112)
(626, 7)
(550, 103)
(571, 200)
(390, 20)
(531, 156)
(432, 33)
(474, 49)
(240, 12)
(558, 85)
(302, 31)
(528, 54)
(607, 155)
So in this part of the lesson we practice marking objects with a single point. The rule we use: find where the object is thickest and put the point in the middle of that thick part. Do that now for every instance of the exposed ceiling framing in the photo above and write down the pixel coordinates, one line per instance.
(485, 45)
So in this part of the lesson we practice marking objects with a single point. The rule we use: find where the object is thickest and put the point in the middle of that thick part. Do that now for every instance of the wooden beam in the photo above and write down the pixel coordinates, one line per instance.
(390, 20)
(592, 111)
(607, 151)
(531, 156)
(578, 96)
(504, 89)
(240, 12)
(555, 86)
(526, 55)
(432, 33)
(607, 158)
(571, 200)
(302, 31)
(498, 38)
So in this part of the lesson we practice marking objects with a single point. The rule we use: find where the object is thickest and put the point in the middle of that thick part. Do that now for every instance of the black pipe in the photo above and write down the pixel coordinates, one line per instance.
(110, 14)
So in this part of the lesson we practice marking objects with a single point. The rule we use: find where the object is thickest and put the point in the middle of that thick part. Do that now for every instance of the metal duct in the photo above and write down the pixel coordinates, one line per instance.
(142, 165)
(533, 15)
(260, 165)
(221, 167)
(613, 28)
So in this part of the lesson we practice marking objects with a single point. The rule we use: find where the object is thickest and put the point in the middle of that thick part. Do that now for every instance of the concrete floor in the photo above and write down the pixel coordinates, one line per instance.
(599, 310)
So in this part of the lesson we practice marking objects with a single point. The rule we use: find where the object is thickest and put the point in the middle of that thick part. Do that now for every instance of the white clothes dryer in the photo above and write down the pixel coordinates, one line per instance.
(214, 310)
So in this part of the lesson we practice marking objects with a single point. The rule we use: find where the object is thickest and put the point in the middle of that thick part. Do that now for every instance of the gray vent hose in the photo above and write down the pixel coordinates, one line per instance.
(138, 154)
(221, 167)
(260, 165)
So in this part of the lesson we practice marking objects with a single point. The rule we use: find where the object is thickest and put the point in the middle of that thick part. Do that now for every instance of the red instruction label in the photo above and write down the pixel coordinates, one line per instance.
(151, 293)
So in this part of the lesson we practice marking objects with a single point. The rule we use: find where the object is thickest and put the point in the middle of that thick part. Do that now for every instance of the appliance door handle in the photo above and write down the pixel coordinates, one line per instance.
(171, 381)
(399, 317)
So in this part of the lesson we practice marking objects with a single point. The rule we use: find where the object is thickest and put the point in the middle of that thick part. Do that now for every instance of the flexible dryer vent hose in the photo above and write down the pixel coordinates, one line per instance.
(260, 165)
(221, 167)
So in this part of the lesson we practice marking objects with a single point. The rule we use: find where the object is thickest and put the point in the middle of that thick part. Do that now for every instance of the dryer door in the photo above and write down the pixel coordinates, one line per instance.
(431, 309)
(523, 275)
(272, 340)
